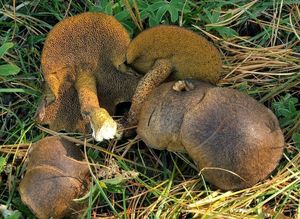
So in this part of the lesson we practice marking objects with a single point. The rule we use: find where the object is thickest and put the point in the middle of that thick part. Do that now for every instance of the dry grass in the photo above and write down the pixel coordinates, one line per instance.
(265, 64)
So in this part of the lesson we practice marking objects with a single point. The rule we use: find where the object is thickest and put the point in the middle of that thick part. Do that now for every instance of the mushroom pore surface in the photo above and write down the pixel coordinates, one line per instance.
(93, 45)
(191, 55)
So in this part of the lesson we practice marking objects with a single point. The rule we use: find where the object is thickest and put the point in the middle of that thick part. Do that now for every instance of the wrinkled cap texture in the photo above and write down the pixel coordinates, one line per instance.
(56, 174)
(235, 141)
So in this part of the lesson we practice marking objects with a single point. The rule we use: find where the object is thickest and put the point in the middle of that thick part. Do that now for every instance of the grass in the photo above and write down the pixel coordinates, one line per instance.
(260, 42)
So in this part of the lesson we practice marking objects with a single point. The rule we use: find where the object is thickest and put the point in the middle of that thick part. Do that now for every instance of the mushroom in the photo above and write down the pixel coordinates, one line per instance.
(83, 60)
(56, 174)
(234, 140)
(169, 52)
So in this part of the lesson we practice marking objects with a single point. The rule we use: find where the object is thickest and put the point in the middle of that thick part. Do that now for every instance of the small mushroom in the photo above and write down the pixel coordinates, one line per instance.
(234, 140)
(56, 174)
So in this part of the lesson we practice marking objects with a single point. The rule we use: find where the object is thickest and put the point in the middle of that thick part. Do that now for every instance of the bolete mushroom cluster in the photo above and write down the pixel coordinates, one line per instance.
(234, 140)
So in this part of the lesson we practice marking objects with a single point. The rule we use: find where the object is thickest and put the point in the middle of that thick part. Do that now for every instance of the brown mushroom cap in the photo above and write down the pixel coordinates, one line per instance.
(163, 113)
(56, 174)
(191, 55)
(48, 194)
(234, 140)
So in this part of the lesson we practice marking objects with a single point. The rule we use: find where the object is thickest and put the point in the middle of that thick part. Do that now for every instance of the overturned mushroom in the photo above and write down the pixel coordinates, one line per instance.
(234, 140)
(170, 52)
(56, 174)
(83, 65)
